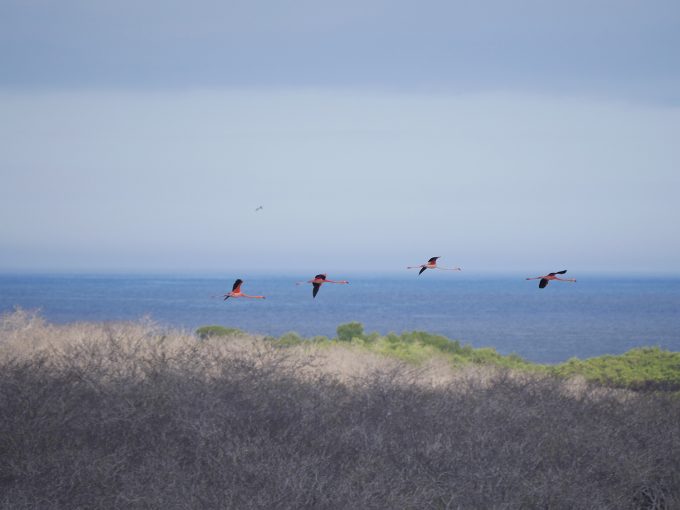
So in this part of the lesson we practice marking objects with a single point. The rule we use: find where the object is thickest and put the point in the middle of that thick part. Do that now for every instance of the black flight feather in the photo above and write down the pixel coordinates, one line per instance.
(543, 283)
(316, 288)
(421, 270)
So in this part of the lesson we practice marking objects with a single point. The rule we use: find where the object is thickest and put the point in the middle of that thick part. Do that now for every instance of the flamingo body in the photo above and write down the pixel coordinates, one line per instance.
(319, 280)
(432, 264)
(236, 292)
(545, 279)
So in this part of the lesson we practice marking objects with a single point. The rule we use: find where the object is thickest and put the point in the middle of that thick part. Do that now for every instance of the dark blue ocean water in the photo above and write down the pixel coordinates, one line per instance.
(595, 316)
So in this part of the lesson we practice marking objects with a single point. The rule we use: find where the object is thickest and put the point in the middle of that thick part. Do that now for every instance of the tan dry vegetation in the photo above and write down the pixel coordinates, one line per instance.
(24, 334)
(136, 416)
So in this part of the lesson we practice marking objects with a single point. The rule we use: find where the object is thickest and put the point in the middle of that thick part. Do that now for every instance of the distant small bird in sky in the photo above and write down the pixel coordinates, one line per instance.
(318, 280)
(545, 280)
(236, 292)
(432, 264)
(259, 208)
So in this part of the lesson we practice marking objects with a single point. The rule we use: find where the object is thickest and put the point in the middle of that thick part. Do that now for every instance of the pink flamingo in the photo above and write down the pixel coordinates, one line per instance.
(432, 264)
(545, 280)
(236, 292)
(318, 280)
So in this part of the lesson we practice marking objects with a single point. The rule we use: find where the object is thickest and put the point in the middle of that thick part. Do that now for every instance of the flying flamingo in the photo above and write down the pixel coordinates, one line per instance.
(318, 281)
(236, 292)
(545, 280)
(432, 264)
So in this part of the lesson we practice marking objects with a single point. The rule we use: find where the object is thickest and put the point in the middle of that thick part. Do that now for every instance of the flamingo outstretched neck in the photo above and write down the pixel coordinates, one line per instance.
(545, 279)
(432, 264)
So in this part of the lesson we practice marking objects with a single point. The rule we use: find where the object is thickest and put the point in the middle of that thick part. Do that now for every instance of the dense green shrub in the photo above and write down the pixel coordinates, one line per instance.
(413, 347)
(646, 368)
(419, 346)
(289, 339)
(439, 342)
(350, 330)
(212, 331)
(320, 339)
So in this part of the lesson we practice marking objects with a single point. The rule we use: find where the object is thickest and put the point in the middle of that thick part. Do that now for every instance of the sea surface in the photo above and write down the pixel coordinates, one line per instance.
(597, 315)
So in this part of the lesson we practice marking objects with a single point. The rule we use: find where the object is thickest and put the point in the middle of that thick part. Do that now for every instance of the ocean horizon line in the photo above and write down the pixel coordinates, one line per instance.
(392, 274)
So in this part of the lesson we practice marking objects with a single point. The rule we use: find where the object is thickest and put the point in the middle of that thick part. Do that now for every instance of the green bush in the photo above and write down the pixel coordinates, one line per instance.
(393, 338)
(439, 342)
(372, 337)
(646, 368)
(213, 331)
(350, 330)
(290, 338)
(411, 352)
(419, 346)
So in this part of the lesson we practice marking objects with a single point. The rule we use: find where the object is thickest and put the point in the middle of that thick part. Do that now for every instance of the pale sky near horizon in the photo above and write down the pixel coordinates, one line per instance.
(500, 135)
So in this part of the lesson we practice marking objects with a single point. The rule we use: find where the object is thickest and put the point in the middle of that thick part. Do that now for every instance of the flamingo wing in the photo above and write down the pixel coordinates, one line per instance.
(421, 270)
(316, 288)
(433, 260)
(237, 286)
(560, 272)
(542, 284)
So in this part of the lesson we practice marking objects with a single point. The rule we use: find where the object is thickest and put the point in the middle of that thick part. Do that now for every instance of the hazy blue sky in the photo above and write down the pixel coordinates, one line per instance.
(499, 135)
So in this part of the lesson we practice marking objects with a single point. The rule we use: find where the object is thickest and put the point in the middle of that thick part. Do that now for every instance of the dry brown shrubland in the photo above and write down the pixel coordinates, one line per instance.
(136, 416)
